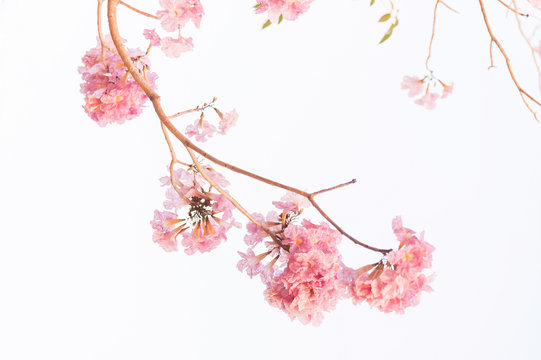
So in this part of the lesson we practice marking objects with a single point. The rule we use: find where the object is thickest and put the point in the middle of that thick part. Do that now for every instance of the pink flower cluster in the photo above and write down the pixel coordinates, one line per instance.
(302, 277)
(287, 9)
(396, 284)
(416, 86)
(111, 93)
(206, 216)
(176, 14)
(202, 129)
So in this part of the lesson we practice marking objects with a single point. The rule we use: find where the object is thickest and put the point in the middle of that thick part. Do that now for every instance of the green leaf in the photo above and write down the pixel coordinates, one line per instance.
(257, 5)
(384, 18)
(266, 24)
(387, 34)
(280, 18)
(372, 2)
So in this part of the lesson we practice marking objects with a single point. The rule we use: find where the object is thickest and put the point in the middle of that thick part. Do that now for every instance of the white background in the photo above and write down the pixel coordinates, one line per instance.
(319, 103)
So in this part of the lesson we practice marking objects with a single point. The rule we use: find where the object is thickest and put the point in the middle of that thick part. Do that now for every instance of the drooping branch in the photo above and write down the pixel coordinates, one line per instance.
(155, 100)
(523, 93)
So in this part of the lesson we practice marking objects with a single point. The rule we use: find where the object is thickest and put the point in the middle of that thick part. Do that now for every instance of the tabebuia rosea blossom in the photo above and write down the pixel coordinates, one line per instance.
(200, 216)
(282, 9)
(426, 85)
(201, 129)
(111, 93)
(174, 16)
(396, 282)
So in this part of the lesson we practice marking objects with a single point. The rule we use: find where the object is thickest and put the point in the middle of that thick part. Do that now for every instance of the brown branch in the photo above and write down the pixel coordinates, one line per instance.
(434, 31)
(532, 49)
(155, 99)
(333, 188)
(493, 39)
(137, 10)
(513, 9)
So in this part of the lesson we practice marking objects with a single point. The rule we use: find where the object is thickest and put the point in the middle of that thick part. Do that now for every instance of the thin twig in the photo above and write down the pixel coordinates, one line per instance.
(532, 49)
(493, 39)
(333, 188)
(513, 9)
(138, 11)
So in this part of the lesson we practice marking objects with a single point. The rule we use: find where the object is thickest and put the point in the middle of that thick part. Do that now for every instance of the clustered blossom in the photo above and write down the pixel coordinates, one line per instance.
(111, 93)
(174, 16)
(416, 86)
(286, 9)
(202, 129)
(206, 216)
(397, 283)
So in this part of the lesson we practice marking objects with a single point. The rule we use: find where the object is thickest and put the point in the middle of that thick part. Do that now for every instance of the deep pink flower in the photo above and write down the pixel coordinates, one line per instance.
(309, 283)
(396, 284)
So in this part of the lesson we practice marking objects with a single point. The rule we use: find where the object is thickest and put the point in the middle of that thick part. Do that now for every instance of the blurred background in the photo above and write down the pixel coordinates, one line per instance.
(319, 103)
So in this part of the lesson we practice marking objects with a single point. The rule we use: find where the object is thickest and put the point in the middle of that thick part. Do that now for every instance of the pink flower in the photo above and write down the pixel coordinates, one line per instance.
(397, 284)
(413, 84)
(447, 89)
(227, 121)
(201, 129)
(166, 232)
(309, 283)
(151, 35)
(289, 9)
(292, 202)
(428, 101)
(206, 216)
(174, 47)
(178, 13)
(111, 94)
(251, 262)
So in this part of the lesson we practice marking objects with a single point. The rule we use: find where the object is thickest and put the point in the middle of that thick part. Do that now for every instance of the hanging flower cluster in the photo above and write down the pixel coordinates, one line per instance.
(297, 260)
(111, 93)
(193, 211)
(175, 15)
(426, 86)
(396, 282)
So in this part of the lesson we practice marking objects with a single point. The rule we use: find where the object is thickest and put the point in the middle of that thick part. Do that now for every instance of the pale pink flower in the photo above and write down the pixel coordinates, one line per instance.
(292, 202)
(256, 234)
(166, 232)
(227, 121)
(174, 47)
(201, 129)
(251, 262)
(447, 89)
(111, 94)
(208, 216)
(289, 9)
(151, 35)
(178, 13)
(413, 84)
(428, 101)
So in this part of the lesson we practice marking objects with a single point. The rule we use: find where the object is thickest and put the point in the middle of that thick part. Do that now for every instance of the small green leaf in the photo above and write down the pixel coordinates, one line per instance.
(257, 5)
(372, 2)
(384, 18)
(387, 34)
(280, 18)
(267, 24)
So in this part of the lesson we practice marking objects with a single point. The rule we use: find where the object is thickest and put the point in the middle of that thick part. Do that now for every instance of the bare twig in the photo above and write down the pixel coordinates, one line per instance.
(523, 94)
